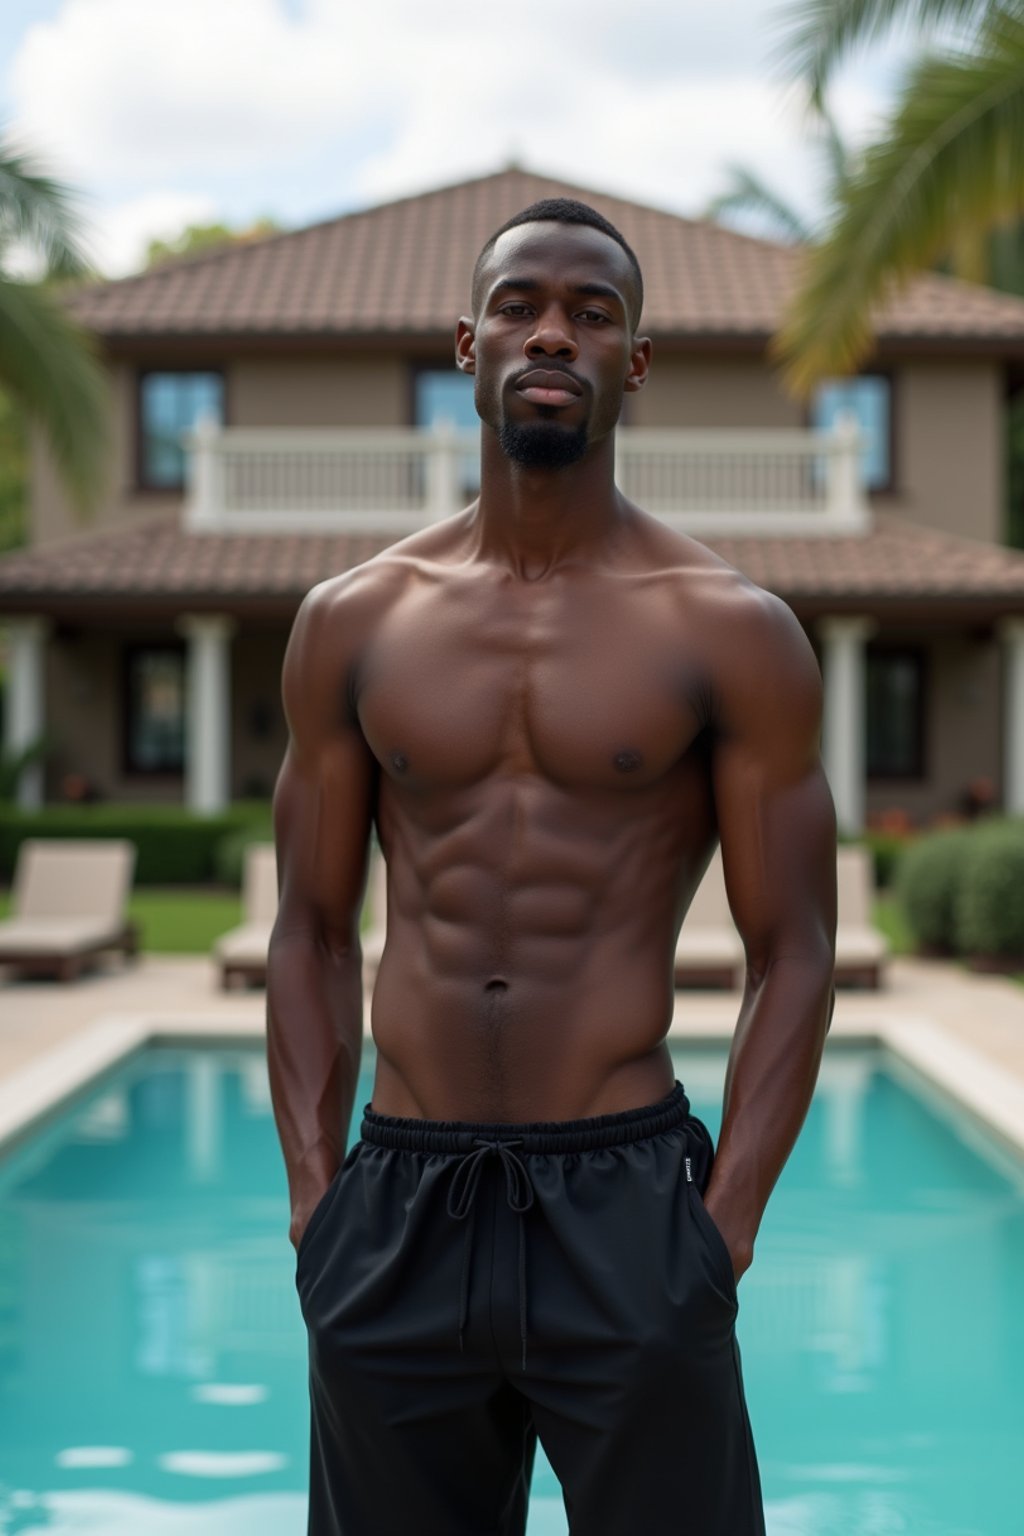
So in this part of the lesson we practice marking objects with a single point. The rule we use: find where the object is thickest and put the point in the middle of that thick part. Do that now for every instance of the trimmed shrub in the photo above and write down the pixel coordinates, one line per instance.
(928, 877)
(886, 849)
(175, 846)
(989, 907)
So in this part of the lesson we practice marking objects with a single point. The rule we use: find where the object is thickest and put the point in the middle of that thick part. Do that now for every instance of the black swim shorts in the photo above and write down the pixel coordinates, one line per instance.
(468, 1287)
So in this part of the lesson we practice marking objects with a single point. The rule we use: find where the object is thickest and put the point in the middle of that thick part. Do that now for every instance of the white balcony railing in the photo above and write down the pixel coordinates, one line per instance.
(273, 480)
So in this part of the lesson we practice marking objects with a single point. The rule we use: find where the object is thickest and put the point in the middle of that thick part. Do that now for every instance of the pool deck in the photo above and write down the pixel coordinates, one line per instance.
(963, 1032)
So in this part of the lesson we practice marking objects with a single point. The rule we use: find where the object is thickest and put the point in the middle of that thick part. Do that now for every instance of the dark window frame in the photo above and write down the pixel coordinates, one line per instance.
(145, 487)
(129, 654)
(919, 656)
(891, 487)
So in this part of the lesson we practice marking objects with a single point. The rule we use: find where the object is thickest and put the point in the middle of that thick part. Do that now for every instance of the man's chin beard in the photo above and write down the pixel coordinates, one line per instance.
(542, 444)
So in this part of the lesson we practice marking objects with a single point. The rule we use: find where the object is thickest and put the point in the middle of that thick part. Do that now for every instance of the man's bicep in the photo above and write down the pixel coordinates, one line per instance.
(776, 819)
(323, 803)
(322, 823)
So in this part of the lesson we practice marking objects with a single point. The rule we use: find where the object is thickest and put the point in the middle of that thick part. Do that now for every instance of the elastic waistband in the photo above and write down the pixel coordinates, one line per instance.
(410, 1134)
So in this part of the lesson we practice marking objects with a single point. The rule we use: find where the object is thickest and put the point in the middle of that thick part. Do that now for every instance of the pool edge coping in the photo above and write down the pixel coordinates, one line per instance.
(37, 1091)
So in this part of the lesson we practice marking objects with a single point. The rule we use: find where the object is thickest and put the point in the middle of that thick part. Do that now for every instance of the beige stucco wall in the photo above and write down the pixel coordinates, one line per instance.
(84, 688)
(84, 685)
(354, 390)
(962, 724)
(708, 391)
(949, 425)
(360, 390)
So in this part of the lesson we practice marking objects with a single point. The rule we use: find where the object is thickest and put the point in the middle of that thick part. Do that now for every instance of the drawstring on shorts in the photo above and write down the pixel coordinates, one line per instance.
(462, 1203)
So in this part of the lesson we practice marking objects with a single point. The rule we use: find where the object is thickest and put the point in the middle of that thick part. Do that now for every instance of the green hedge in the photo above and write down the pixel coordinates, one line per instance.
(175, 846)
(887, 850)
(928, 877)
(989, 907)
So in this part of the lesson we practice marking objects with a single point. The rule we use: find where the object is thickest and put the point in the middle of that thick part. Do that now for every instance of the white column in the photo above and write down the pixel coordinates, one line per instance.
(25, 714)
(1012, 633)
(843, 743)
(207, 711)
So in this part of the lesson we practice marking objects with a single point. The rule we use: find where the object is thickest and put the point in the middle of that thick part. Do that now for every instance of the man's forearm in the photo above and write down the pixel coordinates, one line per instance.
(773, 1068)
(314, 1045)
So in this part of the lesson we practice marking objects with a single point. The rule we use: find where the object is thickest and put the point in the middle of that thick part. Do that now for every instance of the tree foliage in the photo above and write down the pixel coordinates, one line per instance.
(196, 238)
(949, 169)
(49, 369)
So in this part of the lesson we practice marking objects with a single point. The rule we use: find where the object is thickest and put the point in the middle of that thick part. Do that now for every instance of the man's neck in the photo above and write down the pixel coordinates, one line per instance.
(535, 520)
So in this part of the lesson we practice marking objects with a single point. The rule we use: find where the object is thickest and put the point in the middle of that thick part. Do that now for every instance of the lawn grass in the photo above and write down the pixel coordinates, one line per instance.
(183, 921)
(888, 917)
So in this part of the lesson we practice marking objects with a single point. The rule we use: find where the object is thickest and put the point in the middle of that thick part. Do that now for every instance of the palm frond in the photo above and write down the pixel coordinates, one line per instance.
(837, 155)
(952, 157)
(43, 212)
(749, 194)
(815, 36)
(51, 367)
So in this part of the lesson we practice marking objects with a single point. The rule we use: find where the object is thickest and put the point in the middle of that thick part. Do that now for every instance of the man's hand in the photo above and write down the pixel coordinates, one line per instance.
(740, 1246)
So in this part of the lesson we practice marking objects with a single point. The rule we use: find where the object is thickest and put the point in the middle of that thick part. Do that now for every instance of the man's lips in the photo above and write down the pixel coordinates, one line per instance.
(542, 386)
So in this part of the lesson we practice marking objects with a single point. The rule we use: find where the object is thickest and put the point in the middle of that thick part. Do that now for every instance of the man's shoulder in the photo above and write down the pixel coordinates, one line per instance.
(361, 596)
(743, 631)
(708, 585)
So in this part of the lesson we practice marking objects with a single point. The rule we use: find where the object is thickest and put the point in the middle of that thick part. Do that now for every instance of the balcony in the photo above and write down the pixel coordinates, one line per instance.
(317, 480)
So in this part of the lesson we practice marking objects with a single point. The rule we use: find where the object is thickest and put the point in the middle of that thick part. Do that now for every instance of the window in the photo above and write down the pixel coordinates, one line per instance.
(154, 696)
(170, 404)
(868, 398)
(895, 713)
(446, 395)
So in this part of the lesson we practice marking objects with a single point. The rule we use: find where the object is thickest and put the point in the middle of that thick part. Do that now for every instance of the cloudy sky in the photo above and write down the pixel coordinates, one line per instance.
(302, 109)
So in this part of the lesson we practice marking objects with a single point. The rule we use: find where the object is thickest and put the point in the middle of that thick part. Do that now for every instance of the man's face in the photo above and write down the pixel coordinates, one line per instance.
(551, 345)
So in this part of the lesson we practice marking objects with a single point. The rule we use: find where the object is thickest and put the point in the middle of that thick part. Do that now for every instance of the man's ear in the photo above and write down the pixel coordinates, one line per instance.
(639, 364)
(465, 346)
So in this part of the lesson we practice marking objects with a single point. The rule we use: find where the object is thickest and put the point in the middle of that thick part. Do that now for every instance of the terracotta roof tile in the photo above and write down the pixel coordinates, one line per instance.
(158, 559)
(405, 266)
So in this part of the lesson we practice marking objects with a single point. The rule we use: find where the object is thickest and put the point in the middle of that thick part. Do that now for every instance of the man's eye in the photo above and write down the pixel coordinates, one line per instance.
(515, 309)
(593, 314)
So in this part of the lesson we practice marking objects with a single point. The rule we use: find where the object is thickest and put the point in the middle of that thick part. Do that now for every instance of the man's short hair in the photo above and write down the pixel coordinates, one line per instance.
(562, 210)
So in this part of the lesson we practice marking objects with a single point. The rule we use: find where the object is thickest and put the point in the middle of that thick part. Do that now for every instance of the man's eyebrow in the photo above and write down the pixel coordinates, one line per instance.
(531, 285)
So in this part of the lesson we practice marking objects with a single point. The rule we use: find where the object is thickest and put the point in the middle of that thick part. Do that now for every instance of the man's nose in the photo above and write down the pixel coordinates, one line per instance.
(551, 338)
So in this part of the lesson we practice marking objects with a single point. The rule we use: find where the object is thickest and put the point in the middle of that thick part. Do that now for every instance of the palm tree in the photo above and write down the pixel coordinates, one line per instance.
(48, 365)
(946, 172)
(748, 192)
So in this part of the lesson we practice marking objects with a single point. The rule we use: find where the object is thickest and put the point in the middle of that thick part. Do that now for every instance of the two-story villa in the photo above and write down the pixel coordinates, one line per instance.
(284, 409)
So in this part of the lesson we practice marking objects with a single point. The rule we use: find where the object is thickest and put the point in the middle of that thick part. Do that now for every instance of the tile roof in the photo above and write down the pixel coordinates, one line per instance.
(404, 268)
(156, 560)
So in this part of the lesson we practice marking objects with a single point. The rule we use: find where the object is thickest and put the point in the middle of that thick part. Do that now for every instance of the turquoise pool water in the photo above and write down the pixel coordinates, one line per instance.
(152, 1356)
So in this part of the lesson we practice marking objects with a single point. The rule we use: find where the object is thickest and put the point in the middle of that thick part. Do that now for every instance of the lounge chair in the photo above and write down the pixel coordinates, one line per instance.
(861, 951)
(68, 905)
(241, 953)
(373, 939)
(710, 951)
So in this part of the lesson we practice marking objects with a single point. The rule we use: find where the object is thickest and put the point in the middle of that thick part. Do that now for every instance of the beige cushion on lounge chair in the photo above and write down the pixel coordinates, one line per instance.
(68, 904)
(861, 951)
(709, 952)
(377, 897)
(242, 951)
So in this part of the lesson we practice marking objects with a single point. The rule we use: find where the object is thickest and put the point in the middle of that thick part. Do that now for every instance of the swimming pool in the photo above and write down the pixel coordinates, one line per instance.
(152, 1356)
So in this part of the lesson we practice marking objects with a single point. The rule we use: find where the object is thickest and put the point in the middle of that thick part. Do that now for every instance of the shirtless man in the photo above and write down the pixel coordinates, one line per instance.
(551, 707)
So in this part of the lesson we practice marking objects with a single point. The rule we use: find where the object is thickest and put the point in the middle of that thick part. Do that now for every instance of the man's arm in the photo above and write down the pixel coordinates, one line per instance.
(777, 828)
(323, 810)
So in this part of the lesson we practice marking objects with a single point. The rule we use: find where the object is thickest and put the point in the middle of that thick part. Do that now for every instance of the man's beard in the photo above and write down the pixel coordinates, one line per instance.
(542, 444)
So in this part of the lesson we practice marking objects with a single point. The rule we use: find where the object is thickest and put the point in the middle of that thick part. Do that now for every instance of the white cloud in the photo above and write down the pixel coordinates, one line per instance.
(124, 230)
(146, 104)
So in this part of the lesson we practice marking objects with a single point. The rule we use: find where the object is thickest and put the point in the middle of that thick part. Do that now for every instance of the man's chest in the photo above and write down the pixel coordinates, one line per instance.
(604, 691)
